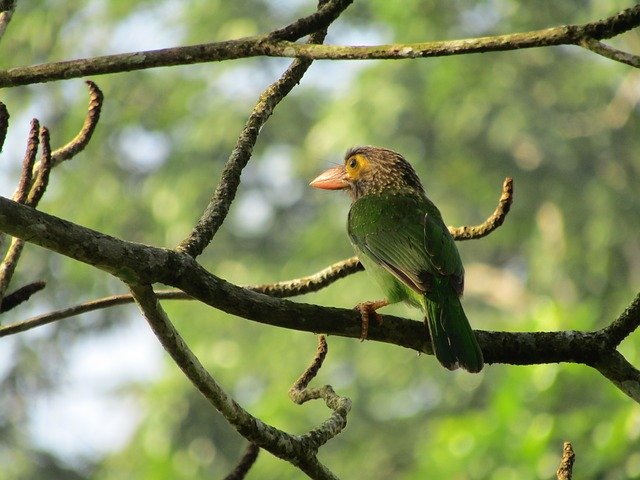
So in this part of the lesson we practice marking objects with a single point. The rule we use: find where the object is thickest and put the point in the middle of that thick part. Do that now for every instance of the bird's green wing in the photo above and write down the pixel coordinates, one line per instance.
(405, 235)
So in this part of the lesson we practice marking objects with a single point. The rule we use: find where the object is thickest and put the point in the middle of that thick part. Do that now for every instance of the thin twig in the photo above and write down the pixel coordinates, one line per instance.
(136, 262)
(624, 325)
(246, 462)
(12, 256)
(7, 8)
(262, 45)
(300, 393)
(495, 219)
(311, 283)
(90, 306)
(610, 52)
(80, 141)
(41, 180)
(20, 295)
(218, 207)
(4, 124)
(26, 174)
(565, 470)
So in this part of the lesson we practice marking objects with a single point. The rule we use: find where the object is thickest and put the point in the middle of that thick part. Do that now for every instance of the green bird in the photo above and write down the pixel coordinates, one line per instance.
(402, 241)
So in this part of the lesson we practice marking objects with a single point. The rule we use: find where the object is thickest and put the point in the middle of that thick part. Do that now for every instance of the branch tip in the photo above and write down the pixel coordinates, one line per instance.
(565, 470)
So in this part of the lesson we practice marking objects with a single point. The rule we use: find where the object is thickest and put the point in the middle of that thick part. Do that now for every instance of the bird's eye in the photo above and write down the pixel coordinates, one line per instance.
(353, 163)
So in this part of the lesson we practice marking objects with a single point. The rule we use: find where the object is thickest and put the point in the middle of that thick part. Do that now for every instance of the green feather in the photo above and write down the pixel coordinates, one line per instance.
(401, 240)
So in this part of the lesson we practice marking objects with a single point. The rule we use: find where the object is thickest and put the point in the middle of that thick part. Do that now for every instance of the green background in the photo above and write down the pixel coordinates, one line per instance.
(561, 121)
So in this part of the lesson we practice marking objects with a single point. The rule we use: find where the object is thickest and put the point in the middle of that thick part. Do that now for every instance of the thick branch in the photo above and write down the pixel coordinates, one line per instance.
(264, 45)
(136, 263)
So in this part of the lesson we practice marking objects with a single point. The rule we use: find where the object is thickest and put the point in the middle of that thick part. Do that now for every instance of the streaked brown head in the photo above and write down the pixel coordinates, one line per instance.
(369, 171)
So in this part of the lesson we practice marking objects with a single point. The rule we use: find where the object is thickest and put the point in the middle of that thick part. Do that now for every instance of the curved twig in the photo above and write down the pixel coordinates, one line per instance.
(43, 169)
(300, 393)
(80, 141)
(264, 45)
(9, 7)
(26, 174)
(495, 219)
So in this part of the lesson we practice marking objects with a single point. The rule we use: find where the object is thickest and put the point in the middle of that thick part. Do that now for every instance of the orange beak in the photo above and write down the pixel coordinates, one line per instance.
(333, 179)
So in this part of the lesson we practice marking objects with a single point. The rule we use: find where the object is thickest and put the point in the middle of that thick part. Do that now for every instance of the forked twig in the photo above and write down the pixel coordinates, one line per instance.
(300, 393)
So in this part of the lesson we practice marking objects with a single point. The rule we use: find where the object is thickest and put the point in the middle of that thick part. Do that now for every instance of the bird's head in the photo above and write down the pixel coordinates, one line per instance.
(369, 171)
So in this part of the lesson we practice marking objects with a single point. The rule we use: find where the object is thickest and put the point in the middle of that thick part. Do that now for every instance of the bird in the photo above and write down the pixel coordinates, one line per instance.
(402, 241)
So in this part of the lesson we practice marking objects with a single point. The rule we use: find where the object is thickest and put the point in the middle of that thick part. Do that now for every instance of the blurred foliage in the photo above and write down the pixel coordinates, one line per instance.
(561, 121)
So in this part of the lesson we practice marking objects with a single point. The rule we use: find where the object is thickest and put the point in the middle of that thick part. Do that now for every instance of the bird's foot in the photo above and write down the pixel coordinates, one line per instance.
(367, 309)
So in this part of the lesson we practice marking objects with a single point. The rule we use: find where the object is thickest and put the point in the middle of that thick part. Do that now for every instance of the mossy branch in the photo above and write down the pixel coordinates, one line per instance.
(271, 45)
(143, 264)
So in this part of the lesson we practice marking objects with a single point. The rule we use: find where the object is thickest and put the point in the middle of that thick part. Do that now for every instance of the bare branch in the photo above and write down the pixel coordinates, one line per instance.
(246, 462)
(41, 181)
(291, 448)
(311, 283)
(26, 174)
(565, 470)
(80, 141)
(4, 124)
(328, 11)
(494, 221)
(624, 325)
(300, 393)
(611, 53)
(263, 45)
(218, 208)
(20, 295)
(142, 263)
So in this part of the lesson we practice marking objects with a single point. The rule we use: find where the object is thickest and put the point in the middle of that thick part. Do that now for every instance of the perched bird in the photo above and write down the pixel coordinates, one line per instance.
(402, 241)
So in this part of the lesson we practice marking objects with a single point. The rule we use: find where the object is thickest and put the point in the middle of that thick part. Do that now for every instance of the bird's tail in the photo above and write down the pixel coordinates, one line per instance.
(454, 343)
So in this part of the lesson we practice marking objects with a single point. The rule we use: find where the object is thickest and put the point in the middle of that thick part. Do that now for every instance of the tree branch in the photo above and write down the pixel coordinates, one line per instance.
(266, 45)
(4, 124)
(288, 447)
(300, 393)
(611, 53)
(565, 469)
(246, 462)
(287, 288)
(80, 141)
(136, 263)
(218, 207)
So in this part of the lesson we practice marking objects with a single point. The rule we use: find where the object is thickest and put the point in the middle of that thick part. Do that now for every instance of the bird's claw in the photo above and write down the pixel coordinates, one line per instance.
(367, 309)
